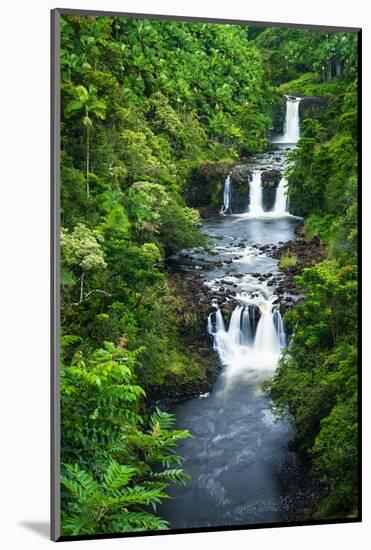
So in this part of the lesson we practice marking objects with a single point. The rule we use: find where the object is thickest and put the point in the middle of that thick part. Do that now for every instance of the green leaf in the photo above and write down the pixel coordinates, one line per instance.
(118, 475)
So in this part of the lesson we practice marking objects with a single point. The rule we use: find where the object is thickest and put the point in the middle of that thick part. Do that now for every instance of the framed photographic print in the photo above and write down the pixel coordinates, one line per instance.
(205, 313)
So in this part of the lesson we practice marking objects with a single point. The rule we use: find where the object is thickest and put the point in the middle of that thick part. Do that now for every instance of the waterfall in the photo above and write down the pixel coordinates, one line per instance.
(256, 194)
(280, 205)
(210, 327)
(234, 330)
(280, 328)
(246, 327)
(238, 347)
(215, 322)
(219, 322)
(292, 122)
(227, 196)
(267, 338)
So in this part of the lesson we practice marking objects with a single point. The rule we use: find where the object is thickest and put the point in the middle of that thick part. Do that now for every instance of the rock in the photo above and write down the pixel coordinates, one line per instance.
(241, 173)
(271, 177)
(315, 241)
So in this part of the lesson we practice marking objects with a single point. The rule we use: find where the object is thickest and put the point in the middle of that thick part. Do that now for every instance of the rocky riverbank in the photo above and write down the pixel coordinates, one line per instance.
(193, 307)
(303, 254)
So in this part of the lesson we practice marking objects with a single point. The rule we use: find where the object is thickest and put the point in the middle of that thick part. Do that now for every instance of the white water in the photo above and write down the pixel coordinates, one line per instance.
(280, 205)
(244, 346)
(256, 194)
(227, 196)
(292, 122)
(256, 209)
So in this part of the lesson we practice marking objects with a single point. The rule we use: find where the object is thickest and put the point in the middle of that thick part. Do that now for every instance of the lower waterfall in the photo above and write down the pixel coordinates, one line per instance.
(247, 344)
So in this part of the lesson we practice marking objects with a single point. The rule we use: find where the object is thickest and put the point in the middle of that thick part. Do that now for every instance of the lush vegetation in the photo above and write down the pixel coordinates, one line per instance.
(143, 104)
(316, 381)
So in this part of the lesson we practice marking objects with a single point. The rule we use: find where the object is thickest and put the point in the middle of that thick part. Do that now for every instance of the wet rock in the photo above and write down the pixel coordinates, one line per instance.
(241, 173)
(315, 241)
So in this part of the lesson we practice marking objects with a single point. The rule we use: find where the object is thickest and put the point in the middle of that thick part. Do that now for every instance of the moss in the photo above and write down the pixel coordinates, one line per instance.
(287, 260)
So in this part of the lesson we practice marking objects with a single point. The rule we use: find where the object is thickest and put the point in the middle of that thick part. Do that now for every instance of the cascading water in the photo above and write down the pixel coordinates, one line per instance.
(246, 327)
(292, 122)
(238, 347)
(267, 339)
(227, 196)
(280, 328)
(280, 205)
(256, 209)
(256, 194)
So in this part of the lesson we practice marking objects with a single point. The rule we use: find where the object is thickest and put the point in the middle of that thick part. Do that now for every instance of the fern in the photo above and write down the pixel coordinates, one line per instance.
(112, 478)
(118, 475)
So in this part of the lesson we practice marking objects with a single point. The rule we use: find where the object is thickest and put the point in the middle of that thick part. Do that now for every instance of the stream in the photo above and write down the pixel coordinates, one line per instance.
(242, 471)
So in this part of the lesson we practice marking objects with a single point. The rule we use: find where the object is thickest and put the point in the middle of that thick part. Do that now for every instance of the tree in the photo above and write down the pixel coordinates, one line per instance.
(88, 102)
(81, 254)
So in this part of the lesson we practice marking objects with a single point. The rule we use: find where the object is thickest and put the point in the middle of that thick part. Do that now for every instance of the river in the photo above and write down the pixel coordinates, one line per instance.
(242, 471)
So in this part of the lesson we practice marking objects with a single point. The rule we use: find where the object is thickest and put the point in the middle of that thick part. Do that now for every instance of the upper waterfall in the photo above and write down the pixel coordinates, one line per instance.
(227, 196)
(292, 122)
